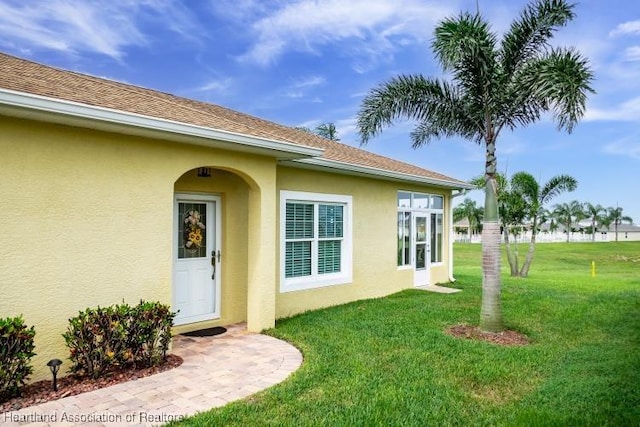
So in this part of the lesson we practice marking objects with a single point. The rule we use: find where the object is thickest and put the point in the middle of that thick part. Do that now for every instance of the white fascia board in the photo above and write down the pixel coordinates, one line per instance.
(12, 102)
(351, 169)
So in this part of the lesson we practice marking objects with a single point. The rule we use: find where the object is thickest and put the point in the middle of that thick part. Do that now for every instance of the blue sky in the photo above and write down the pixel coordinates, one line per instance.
(304, 62)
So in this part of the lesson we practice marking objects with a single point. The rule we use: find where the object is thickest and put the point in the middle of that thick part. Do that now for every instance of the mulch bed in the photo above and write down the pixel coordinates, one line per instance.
(500, 338)
(42, 391)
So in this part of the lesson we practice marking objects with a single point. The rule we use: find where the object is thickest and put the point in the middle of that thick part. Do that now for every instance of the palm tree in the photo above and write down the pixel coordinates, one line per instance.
(606, 221)
(616, 217)
(493, 86)
(327, 130)
(545, 216)
(596, 213)
(535, 198)
(569, 214)
(511, 213)
(469, 211)
(522, 198)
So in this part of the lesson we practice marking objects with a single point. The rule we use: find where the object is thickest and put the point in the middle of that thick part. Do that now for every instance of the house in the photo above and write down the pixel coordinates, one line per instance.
(111, 192)
(626, 233)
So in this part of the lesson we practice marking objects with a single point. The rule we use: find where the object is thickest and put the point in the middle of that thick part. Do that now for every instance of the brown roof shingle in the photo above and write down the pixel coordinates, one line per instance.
(26, 76)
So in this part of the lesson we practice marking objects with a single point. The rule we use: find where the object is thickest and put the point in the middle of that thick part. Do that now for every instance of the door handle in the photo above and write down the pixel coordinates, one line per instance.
(213, 264)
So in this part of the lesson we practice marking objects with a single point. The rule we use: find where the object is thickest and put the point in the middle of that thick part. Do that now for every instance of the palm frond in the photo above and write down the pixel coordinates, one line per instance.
(568, 94)
(525, 184)
(434, 104)
(557, 185)
(562, 83)
(529, 35)
(558, 82)
(466, 47)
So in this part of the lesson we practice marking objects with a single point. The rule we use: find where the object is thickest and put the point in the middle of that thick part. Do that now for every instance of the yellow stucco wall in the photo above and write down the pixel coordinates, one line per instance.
(87, 220)
(375, 272)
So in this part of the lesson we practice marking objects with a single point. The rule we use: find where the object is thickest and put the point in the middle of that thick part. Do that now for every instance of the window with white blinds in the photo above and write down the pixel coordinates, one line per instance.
(315, 240)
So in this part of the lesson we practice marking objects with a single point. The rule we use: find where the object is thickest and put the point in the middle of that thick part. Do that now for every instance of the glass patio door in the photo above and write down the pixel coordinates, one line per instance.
(421, 249)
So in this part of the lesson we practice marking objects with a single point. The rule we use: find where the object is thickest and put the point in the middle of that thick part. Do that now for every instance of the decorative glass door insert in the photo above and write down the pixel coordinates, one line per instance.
(192, 230)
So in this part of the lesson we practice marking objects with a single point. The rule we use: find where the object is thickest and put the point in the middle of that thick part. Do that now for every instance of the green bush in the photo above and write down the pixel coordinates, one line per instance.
(150, 332)
(16, 351)
(97, 338)
(101, 339)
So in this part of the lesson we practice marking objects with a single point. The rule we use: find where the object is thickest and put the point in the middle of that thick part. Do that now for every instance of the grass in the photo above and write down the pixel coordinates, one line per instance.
(387, 361)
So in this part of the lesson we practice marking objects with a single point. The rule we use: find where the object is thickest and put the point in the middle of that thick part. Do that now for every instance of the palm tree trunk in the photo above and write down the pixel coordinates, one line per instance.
(593, 230)
(524, 272)
(515, 255)
(513, 259)
(616, 226)
(490, 313)
(491, 310)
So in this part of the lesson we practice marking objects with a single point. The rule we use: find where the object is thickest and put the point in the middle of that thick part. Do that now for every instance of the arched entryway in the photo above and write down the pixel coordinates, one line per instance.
(224, 276)
(210, 222)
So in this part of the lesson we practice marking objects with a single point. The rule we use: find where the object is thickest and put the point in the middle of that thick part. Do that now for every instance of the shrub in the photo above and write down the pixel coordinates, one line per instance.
(96, 338)
(101, 339)
(16, 351)
(150, 332)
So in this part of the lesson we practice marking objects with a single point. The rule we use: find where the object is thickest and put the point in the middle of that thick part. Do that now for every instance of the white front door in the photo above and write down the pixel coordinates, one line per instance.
(421, 250)
(196, 278)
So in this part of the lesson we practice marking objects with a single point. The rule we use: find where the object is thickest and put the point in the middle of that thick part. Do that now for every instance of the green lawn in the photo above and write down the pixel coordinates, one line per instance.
(387, 361)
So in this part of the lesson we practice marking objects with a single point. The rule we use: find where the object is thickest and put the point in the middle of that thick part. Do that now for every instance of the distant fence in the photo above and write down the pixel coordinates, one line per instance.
(540, 237)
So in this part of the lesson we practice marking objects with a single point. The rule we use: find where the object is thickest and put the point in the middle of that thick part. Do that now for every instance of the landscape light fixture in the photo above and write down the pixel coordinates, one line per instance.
(54, 367)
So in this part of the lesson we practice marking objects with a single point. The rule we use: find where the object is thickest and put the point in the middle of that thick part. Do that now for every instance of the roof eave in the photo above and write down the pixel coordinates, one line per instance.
(370, 172)
(30, 106)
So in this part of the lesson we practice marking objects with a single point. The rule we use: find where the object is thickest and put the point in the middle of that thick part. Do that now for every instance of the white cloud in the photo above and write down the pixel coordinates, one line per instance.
(369, 25)
(175, 16)
(73, 26)
(632, 53)
(630, 27)
(300, 87)
(627, 111)
(240, 11)
(309, 81)
(348, 130)
(219, 85)
(627, 147)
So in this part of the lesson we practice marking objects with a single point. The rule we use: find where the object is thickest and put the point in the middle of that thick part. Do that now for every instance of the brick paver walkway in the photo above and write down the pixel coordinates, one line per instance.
(216, 370)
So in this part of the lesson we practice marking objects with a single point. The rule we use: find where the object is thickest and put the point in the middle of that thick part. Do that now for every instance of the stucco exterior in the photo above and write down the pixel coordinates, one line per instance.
(94, 173)
(87, 218)
(375, 272)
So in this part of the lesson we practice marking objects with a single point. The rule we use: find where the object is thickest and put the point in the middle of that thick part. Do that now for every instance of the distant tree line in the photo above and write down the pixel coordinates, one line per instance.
(522, 206)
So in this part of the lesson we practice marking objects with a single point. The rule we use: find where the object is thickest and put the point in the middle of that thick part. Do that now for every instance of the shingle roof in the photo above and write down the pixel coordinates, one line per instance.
(29, 77)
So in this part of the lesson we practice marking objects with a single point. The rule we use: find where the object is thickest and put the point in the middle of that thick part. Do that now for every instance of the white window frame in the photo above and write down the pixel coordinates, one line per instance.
(428, 211)
(433, 250)
(315, 280)
(409, 263)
